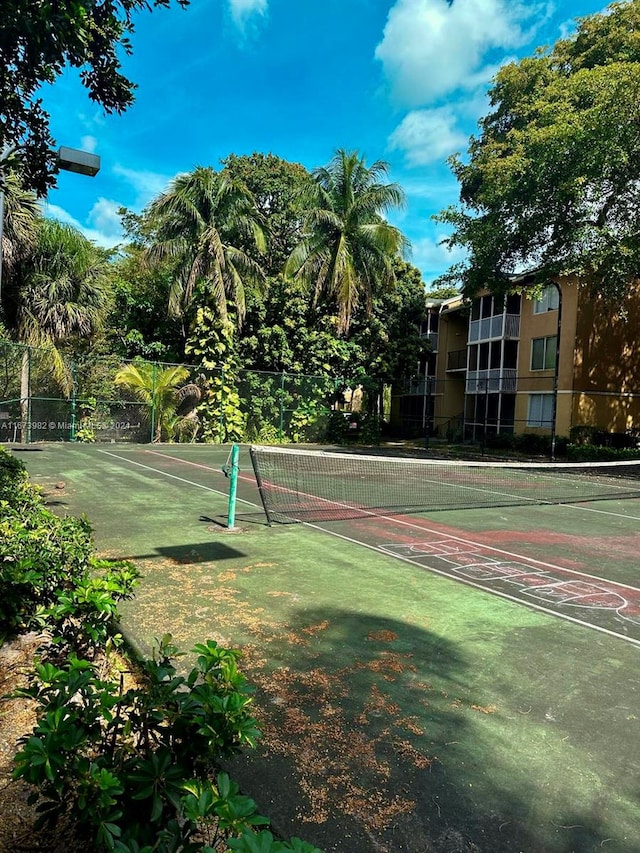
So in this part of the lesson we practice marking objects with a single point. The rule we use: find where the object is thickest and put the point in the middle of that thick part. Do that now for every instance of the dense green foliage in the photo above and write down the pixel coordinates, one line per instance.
(200, 281)
(38, 41)
(200, 225)
(60, 289)
(157, 390)
(46, 561)
(552, 182)
(274, 185)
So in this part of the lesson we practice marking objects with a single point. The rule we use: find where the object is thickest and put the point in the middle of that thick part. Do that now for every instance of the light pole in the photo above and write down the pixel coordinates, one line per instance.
(69, 159)
(556, 375)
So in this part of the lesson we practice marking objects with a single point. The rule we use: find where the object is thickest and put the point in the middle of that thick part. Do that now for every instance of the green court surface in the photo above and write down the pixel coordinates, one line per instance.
(466, 680)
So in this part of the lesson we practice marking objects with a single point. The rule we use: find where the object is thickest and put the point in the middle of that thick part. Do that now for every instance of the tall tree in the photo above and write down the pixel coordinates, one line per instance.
(37, 42)
(202, 222)
(19, 237)
(59, 291)
(390, 340)
(552, 184)
(349, 249)
(273, 183)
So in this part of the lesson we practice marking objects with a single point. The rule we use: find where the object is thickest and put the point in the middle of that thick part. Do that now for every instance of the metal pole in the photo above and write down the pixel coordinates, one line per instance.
(74, 389)
(233, 486)
(556, 374)
(486, 414)
(153, 401)
(221, 435)
(426, 411)
(28, 395)
(281, 424)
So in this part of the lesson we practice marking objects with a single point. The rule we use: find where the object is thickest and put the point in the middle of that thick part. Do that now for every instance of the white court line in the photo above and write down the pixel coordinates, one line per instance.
(450, 537)
(483, 547)
(174, 477)
(600, 511)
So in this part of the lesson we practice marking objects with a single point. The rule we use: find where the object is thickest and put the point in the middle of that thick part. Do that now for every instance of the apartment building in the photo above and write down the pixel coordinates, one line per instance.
(518, 363)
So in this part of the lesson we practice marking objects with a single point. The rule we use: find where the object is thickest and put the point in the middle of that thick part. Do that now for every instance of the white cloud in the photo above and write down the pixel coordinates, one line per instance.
(243, 11)
(147, 185)
(428, 136)
(105, 218)
(432, 257)
(106, 230)
(89, 143)
(432, 47)
(430, 187)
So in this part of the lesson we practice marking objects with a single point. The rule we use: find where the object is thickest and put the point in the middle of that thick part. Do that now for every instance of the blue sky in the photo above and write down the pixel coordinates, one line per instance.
(399, 80)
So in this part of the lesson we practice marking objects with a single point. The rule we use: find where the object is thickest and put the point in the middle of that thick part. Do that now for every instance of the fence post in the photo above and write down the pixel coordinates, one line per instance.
(153, 401)
(74, 388)
(281, 423)
(28, 430)
(221, 415)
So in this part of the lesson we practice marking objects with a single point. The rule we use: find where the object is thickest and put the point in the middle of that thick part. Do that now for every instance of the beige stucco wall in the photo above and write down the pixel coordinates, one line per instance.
(598, 361)
(607, 362)
(449, 397)
(542, 381)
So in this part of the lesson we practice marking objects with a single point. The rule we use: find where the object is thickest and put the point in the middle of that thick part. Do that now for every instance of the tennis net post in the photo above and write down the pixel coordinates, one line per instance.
(232, 474)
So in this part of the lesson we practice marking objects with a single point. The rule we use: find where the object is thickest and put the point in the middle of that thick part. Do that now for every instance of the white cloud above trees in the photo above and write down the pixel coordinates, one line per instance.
(431, 47)
(436, 54)
(428, 136)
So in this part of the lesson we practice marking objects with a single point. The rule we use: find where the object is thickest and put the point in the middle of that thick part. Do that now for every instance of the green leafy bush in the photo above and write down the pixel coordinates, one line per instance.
(47, 567)
(132, 768)
(264, 842)
(41, 555)
(370, 429)
(15, 489)
(593, 453)
(337, 428)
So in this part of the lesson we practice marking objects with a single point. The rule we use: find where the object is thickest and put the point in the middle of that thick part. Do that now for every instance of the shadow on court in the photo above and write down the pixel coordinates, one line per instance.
(377, 728)
(197, 552)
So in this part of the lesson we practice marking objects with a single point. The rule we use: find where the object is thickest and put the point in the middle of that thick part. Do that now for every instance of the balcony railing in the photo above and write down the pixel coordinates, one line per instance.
(457, 360)
(501, 326)
(499, 379)
(432, 337)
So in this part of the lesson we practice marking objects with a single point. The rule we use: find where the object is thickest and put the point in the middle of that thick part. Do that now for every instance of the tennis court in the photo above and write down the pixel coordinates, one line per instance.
(424, 681)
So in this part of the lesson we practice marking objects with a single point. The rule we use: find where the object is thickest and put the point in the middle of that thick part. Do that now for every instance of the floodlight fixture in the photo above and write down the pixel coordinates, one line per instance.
(82, 162)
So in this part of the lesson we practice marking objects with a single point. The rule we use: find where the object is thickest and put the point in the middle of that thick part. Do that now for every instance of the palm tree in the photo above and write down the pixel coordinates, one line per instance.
(201, 223)
(19, 238)
(161, 391)
(349, 248)
(61, 289)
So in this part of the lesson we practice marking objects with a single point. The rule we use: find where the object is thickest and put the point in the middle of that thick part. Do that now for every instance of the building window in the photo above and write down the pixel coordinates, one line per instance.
(549, 300)
(543, 353)
(540, 412)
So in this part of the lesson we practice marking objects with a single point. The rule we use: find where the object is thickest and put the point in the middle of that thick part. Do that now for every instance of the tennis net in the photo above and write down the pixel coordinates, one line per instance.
(308, 485)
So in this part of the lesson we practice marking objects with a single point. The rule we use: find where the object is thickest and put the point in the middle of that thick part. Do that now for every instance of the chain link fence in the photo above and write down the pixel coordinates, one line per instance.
(44, 398)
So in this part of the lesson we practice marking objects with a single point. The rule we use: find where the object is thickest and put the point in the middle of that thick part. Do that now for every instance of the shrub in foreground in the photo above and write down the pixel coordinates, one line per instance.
(132, 770)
